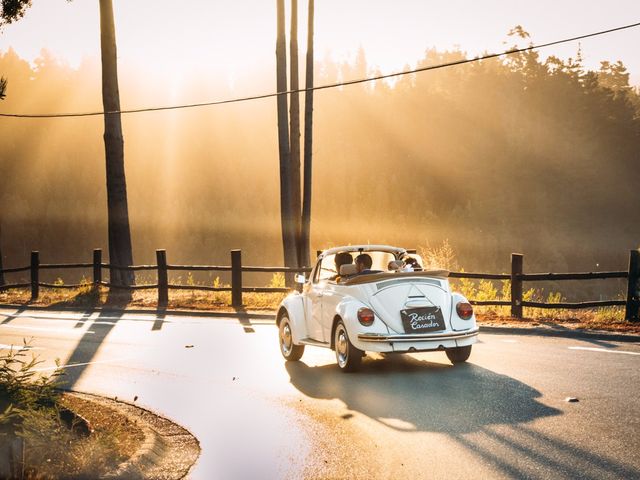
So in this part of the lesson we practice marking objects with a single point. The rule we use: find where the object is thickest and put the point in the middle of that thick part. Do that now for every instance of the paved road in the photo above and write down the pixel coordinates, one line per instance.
(503, 415)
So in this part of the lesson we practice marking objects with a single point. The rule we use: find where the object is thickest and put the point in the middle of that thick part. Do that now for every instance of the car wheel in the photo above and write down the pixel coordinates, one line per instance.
(289, 350)
(459, 354)
(348, 356)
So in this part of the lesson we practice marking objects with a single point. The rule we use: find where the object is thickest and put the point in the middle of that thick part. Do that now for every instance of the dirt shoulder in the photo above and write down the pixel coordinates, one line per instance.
(155, 447)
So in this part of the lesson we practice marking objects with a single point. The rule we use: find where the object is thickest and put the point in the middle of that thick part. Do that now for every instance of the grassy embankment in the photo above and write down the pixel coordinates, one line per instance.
(47, 434)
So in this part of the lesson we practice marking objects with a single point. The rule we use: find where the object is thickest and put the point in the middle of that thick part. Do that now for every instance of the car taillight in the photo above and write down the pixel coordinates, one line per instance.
(465, 310)
(365, 316)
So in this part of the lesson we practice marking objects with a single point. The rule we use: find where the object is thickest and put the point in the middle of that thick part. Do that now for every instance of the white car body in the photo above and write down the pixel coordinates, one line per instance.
(314, 313)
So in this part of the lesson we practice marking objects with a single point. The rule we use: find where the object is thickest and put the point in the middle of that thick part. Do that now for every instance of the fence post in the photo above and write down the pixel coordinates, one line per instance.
(35, 265)
(236, 278)
(97, 268)
(632, 313)
(163, 280)
(516, 284)
(1, 272)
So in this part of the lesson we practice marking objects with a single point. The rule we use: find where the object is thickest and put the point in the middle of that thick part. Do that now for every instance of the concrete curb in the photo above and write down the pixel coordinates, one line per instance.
(159, 456)
(149, 454)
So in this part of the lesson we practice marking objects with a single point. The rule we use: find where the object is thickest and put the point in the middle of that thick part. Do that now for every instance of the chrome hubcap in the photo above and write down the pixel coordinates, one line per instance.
(285, 338)
(342, 346)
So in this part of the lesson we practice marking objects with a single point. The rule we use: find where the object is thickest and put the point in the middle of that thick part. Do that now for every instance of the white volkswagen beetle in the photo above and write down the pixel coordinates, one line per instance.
(393, 306)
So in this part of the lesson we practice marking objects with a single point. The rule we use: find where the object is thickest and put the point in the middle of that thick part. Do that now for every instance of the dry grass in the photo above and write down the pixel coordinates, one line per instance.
(605, 318)
(441, 256)
(52, 450)
(36, 441)
(124, 436)
(178, 299)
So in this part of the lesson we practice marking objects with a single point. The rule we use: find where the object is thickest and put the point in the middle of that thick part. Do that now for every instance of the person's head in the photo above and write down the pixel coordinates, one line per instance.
(363, 262)
(342, 258)
(394, 265)
(413, 263)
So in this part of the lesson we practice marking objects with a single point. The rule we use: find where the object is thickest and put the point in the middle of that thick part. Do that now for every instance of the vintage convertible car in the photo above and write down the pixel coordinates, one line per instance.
(383, 309)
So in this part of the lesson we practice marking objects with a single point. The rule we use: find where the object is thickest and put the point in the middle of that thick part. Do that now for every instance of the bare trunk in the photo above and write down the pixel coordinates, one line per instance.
(294, 128)
(1, 273)
(305, 234)
(120, 252)
(286, 210)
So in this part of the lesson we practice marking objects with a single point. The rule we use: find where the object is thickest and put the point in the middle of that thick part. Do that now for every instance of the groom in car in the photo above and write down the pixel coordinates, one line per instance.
(363, 264)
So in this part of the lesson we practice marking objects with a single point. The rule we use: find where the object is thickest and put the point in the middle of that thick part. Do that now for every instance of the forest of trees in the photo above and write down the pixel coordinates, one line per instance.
(511, 154)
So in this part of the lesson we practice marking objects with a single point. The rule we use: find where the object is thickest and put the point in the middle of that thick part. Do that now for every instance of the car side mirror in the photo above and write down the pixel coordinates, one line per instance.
(299, 278)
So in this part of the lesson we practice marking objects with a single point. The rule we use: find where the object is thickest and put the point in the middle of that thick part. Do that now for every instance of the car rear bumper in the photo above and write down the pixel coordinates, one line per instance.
(417, 337)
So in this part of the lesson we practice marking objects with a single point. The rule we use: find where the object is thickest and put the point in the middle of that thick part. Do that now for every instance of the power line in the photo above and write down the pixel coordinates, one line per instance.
(324, 87)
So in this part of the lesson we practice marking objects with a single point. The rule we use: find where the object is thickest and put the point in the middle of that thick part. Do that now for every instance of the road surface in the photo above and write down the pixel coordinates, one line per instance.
(502, 415)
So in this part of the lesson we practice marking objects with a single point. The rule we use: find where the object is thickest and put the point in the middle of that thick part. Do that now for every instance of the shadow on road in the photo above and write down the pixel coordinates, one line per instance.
(92, 339)
(425, 396)
(561, 328)
(160, 317)
(14, 315)
(487, 413)
(522, 452)
(243, 319)
(85, 317)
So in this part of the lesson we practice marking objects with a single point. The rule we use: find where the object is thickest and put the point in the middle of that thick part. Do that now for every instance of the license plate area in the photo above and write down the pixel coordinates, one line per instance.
(424, 319)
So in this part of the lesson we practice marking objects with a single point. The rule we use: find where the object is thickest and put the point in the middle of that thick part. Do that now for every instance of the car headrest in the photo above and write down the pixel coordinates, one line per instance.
(348, 269)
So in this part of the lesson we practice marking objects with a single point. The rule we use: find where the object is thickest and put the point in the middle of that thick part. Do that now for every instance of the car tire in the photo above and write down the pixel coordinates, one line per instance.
(290, 351)
(348, 357)
(459, 354)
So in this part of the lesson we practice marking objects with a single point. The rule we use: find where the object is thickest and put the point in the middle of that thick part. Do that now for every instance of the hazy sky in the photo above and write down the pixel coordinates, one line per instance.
(232, 38)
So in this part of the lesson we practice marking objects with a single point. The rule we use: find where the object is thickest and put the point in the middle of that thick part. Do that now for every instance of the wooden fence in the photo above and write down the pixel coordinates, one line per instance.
(517, 277)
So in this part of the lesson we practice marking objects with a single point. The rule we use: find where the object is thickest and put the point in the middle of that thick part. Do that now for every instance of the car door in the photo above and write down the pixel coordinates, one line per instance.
(313, 315)
(313, 305)
(331, 296)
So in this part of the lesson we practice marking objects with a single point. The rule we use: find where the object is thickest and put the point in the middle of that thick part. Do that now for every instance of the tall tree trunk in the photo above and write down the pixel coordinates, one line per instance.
(294, 129)
(286, 207)
(308, 142)
(117, 210)
(1, 274)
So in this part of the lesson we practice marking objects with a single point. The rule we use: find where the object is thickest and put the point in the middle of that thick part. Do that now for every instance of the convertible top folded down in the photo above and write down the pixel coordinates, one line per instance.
(375, 277)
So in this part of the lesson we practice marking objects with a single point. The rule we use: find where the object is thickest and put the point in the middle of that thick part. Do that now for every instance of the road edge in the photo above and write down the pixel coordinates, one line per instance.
(562, 333)
(163, 442)
(524, 330)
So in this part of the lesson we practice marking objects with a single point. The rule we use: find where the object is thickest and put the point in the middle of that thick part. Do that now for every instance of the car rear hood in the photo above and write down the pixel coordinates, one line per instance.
(392, 296)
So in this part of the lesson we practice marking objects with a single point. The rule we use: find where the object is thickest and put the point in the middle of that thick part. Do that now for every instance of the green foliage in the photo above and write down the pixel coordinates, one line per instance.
(53, 450)
(277, 280)
(439, 257)
(22, 389)
(30, 411)
(487, 291)
(12, 10)
(466, 287)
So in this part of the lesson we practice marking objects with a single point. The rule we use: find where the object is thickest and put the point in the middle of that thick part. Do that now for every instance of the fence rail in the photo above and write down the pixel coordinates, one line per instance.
(237, 288)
